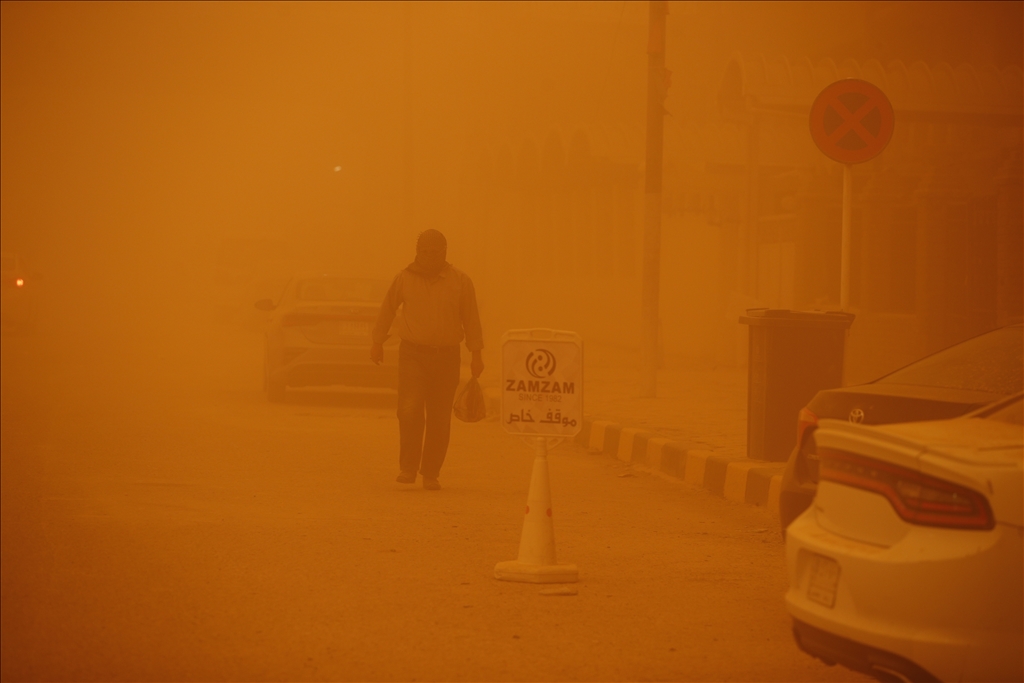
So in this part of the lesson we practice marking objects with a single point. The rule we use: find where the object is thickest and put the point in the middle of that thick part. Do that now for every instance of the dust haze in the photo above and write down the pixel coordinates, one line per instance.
(139, 141)
(167, 165)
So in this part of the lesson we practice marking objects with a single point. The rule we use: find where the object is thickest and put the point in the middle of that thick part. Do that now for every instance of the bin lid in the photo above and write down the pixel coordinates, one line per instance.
(784, 317)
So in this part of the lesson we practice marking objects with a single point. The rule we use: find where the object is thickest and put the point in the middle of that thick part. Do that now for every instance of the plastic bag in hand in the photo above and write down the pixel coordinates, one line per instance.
(469, 402)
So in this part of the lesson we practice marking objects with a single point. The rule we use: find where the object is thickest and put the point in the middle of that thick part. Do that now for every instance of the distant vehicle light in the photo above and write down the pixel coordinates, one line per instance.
(20, 282)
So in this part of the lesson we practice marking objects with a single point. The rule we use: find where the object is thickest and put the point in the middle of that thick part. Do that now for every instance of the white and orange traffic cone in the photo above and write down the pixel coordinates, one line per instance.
(536, 563)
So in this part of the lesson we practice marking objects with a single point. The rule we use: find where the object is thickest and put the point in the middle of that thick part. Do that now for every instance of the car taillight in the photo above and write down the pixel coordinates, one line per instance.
(806, 458)
(917, 498)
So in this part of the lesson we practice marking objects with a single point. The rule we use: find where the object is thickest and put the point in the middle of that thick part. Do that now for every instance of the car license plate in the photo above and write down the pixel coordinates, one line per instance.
(345, 329)
(824, 579)
(349, 328)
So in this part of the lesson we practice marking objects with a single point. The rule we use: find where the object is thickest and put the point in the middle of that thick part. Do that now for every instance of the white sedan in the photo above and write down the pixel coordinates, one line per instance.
(318, 334)
(909, 565)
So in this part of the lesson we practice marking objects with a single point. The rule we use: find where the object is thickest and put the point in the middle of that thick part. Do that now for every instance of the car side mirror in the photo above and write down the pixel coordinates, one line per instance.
(265, 305)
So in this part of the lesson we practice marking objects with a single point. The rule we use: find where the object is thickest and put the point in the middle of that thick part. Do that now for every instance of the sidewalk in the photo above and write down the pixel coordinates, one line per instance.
(694, 431)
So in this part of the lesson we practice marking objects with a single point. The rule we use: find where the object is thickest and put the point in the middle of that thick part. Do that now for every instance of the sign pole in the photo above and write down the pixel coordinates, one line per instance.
(844, 268)
(851, 121)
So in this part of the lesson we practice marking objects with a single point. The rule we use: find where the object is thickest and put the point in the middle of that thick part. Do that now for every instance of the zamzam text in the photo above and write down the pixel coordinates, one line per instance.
(542, 386)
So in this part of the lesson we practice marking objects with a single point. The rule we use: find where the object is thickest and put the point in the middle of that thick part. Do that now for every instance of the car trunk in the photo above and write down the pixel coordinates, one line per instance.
(882, 403)
(334, 323)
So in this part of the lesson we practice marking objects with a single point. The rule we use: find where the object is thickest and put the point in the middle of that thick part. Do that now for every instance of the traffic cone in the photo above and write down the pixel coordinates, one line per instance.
(536, 562)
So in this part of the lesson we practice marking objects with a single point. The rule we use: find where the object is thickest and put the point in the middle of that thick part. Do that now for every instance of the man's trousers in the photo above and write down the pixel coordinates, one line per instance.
(427, 379)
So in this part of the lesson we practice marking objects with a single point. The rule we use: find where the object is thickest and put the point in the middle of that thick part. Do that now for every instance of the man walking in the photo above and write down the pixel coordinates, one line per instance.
(438, 311)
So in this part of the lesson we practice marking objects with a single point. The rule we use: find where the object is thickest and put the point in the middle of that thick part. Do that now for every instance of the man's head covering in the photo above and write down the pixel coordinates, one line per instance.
(431, 251)
(431, 239)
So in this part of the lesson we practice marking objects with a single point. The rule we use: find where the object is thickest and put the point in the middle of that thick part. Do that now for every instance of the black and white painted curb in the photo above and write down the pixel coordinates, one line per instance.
(735, 478)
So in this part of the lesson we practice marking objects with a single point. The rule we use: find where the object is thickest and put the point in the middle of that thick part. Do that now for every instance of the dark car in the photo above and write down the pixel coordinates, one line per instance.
(947, 384)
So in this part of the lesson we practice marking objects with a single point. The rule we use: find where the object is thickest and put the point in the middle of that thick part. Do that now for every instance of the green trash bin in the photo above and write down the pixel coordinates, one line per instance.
(793, 355)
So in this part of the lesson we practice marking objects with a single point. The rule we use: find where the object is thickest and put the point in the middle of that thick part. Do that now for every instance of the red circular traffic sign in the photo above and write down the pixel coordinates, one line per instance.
(851, 121)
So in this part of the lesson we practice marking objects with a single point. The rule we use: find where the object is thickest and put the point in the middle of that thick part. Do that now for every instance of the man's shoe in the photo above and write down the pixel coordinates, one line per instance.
(431, 484)
(406, 478)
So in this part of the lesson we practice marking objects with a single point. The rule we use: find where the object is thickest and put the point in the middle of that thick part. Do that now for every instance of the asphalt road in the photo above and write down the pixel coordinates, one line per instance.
(161, 524)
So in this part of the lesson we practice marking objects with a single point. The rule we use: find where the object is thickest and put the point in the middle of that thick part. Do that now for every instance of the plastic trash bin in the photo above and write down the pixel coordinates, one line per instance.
(793, 355)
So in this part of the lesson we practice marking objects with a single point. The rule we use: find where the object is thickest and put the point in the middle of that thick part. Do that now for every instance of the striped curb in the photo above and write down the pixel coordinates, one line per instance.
(735, 478)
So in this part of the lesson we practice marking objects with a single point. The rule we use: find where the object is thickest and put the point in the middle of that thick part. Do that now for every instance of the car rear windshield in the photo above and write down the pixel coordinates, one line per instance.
(341, 289)
(991, 362)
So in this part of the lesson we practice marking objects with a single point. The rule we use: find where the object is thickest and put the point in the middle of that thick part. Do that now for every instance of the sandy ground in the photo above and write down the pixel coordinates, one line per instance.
(170, 524)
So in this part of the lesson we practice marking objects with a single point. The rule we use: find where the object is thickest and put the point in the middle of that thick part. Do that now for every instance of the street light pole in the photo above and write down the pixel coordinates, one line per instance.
(408, 156)
(656, 90)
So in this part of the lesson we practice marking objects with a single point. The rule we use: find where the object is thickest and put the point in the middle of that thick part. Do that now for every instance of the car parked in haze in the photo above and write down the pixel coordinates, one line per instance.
(944, 385)
(909, 565)
(318, 334)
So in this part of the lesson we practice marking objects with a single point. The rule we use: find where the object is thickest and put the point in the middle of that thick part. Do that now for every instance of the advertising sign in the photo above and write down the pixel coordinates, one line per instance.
(542, 382)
